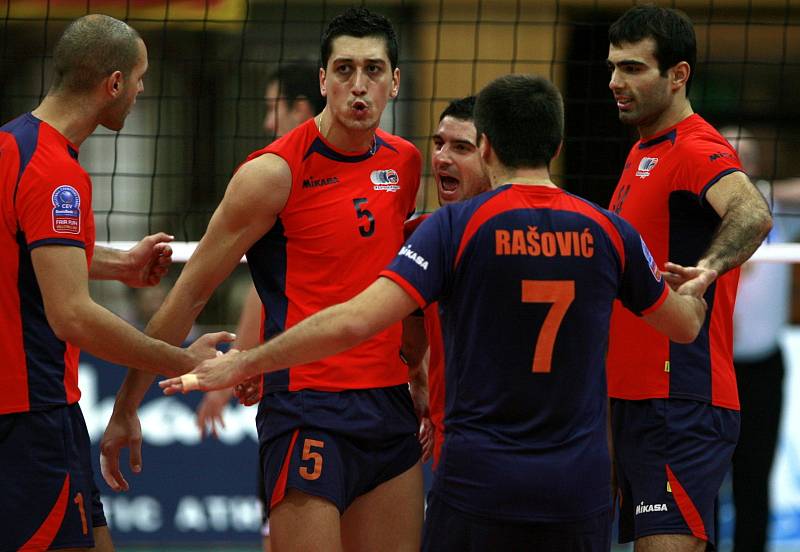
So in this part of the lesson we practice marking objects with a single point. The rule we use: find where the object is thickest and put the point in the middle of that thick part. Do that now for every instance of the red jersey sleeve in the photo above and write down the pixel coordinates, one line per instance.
(705, 160)
(54, 204)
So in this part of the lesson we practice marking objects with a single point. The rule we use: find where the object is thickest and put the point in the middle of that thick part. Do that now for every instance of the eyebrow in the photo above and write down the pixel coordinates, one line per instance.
(351, 59)
(457, 141)
(624, 62)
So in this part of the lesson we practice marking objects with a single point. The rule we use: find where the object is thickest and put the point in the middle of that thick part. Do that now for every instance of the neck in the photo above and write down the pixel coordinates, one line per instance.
(69, 115)
(670, 117)
(523, 176)
(344, 138)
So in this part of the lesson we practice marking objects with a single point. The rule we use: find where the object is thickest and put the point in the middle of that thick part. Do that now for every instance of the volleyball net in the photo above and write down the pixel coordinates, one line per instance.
(202, 109)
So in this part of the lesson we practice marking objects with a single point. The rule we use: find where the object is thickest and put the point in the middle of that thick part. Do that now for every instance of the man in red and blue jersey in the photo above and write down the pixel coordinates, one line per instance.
(319, 213)
(49, 498)
(459, 175)
(675, 409)
(525, 276)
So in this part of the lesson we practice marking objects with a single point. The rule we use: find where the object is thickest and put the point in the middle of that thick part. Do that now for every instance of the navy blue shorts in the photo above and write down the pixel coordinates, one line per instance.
(449, 529)
(671, 458)
(49, 498)
(335, 445)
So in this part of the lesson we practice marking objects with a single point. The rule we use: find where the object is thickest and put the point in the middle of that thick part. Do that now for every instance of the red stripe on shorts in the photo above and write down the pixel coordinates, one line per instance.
(280, 486)
(47, 531)
(690, 514)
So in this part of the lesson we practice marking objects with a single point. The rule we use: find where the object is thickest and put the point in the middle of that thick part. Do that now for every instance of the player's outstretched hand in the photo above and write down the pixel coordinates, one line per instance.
(250, 391)
(689, 280)
(123, 430)
(209, 411)
(205, 347)
(217, 373)
(148, 261)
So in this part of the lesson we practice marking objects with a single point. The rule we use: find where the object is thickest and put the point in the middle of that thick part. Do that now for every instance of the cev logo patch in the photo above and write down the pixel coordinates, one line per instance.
(66, 210)
(386, 180)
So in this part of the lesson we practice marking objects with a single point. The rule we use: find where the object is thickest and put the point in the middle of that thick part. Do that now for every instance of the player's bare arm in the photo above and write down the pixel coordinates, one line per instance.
(680, 317)
(75, 318)
(260, 186)
(142, 265)
(326, 333)
(746, 221)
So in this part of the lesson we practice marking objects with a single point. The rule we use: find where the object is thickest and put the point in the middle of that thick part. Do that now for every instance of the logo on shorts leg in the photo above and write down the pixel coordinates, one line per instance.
(643, 508)
(66, 210)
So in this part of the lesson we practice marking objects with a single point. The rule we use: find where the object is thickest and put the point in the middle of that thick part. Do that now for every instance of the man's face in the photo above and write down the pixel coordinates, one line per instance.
(456, 162)
(132, 85)
(641, 92)
(358, 81)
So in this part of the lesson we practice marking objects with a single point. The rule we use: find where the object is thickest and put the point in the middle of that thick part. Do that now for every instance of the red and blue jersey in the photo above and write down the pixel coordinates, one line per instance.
(525, 277)
(47, 200)
(343, 222)
(436, 384)
(662, 193)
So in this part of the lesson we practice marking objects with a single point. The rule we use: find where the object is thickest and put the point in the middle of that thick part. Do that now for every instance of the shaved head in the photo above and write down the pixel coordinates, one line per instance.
(91, 49)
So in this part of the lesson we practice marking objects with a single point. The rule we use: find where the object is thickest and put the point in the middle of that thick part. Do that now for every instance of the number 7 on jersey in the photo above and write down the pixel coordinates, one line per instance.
(560, 294)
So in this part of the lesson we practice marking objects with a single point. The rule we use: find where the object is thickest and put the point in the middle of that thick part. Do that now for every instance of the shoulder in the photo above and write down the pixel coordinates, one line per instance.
(399, 144)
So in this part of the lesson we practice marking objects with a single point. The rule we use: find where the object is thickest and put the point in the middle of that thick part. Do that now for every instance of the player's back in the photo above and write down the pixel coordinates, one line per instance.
(525, 297)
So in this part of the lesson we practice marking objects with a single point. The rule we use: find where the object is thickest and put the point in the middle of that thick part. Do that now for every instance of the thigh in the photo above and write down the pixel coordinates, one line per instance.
(389, 517)
(304, 522)
(47, 480)
(672, 456)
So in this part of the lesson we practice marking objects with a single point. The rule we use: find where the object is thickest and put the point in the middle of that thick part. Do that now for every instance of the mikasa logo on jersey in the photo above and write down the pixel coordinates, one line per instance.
(646, 165)
(406, 251)
(643, 508)
(385, 180)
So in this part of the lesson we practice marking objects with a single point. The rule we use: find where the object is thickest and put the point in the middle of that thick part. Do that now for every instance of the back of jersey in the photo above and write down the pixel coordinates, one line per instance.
(526, 277)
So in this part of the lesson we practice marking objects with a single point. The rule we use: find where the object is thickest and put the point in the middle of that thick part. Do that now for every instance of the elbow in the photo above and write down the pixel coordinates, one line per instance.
(65, 323)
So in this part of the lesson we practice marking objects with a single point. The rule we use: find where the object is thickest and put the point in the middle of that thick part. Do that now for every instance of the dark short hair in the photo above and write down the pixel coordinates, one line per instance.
(671, 29)
(523, 117)
(298, 80)
(92, 48)
(360, 23)
(461, 109)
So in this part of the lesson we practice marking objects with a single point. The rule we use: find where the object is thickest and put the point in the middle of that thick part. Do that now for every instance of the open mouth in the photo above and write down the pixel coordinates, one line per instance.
(359, 106)
(448, 183)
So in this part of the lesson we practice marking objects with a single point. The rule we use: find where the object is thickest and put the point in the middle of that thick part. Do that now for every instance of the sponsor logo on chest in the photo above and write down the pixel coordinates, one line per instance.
(646, 165)
(385, 180)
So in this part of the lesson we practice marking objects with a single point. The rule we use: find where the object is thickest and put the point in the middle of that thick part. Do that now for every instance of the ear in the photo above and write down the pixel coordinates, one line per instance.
(113, 84)
(558, 151)
(395, 83)
(679, 75)
(322, 80)
(484, 147)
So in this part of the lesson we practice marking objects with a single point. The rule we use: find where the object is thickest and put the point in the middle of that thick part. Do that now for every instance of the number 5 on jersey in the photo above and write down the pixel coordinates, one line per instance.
(366, 227)
(560, 294)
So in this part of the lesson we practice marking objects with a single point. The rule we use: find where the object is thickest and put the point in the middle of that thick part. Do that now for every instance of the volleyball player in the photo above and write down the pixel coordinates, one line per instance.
(319, 212)
(675, 408)
(49, 498)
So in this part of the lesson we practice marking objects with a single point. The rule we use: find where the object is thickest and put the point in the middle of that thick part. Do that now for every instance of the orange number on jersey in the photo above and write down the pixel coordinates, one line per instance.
(560, 293)
(79, 501)
(308, 454)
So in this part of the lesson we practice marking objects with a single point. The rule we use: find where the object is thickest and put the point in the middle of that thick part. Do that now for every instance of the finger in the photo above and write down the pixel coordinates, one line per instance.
(159, 237)
(189, 382)
(135, 448)
(109, 467)
(163, 384)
